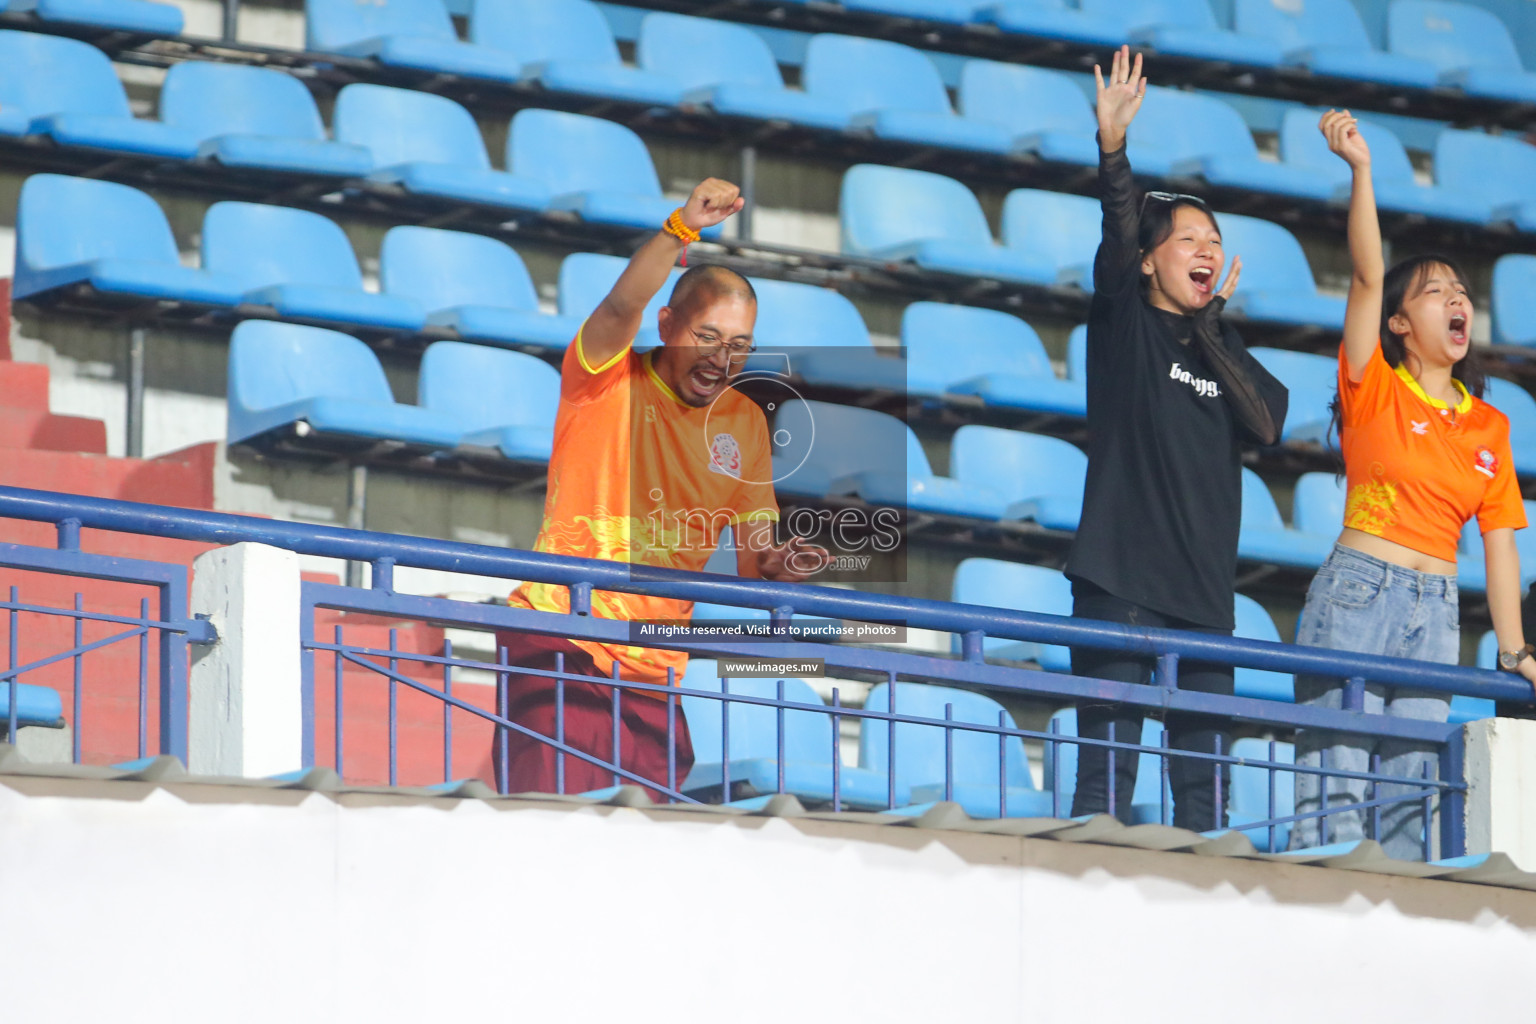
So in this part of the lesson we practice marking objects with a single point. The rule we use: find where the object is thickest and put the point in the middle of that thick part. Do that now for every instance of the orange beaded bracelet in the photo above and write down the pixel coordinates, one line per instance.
(680, 231)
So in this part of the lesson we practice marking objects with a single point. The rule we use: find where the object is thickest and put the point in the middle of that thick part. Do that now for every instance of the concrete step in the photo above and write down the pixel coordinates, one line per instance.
(45, 431)
(23, 385)
(183, 479)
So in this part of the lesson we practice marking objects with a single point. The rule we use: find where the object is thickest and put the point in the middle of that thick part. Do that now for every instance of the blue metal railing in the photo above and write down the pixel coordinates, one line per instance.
(973, 623)
(172, 628)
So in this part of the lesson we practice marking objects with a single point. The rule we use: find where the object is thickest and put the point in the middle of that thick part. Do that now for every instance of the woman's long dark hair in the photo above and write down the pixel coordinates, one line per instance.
(1401, 281)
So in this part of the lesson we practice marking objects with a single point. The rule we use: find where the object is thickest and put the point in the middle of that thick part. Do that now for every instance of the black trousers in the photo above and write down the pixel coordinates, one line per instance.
(1194, 784)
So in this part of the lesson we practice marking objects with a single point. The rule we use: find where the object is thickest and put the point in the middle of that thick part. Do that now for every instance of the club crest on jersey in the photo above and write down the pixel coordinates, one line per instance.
(1487, 463)
(725, 456)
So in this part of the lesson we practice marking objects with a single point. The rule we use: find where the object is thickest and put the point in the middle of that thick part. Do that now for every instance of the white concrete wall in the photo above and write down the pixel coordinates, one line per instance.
(128, 903)
(1501, 771)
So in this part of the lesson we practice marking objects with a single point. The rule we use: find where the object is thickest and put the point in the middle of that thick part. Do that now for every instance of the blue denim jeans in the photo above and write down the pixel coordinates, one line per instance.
(1361, 603)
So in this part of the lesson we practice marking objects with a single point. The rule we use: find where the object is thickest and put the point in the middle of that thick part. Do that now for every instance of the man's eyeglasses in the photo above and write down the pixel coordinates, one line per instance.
(1169, 197)
(710, 345)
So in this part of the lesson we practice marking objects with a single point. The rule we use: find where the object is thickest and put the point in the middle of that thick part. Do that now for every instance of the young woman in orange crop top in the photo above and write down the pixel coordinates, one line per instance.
(1422, 454)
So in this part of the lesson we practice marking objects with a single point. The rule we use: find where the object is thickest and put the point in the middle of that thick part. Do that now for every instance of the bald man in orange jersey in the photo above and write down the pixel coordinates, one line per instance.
(654, 455)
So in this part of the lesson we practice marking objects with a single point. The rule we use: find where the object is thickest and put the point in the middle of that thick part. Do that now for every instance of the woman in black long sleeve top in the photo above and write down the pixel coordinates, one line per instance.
(1173, 395)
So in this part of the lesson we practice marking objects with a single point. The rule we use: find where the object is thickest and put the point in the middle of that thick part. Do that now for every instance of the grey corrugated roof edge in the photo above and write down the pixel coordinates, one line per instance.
(1494, 869)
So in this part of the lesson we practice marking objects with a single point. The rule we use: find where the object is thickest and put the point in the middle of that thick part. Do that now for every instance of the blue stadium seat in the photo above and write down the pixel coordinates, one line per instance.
(1516, 403)
(1277, 281)
(754, 748)
(1302, 145)
(1041, 478)
(823, 337)
(1001, 361)
(430, 146)
(255, 118)
(1328, 38)
(415, 34)
(1185, 30)
(139, 16)
(936, 222)
(1077, 354)
(596, 169)
(730, 69)
(1053, 227)
(1146, 800)
(36, 706)
(958, 12)
(476, 285)
(1024, 588)
(1201, 133)
(920, 752)
(1312, 381)
(831, 449)
(501, 400)
(1249, 789)
(1469, 45)
(1054, 19)
(1264, 537)
(282, 374)
(1471, 556)
(586, 278)
(300, 264)
(794, 316)
(1044, 112)
(109, 237)
(1254, 623)
(895, 92)
(68, 90)
(1514, 315)
(566, 46)
(810, 455)
(1317, 505)
(1499, 168)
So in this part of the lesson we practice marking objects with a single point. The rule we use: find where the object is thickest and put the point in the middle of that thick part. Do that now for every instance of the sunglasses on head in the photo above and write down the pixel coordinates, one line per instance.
(1170, 197)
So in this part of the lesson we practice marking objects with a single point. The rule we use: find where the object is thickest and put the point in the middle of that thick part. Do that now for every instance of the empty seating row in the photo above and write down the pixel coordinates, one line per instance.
(1049, 238)
(259, 119)
(283, 375)
(937, 224)
(566, 44)
(1429, 43)
(146, 17)
(912, 775)
(250, 118)
(78, 233)
(1033, 588)
(1043, 591)
(824, 450)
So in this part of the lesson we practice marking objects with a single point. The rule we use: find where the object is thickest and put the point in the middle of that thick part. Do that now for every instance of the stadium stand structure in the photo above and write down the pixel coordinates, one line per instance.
(440, 288)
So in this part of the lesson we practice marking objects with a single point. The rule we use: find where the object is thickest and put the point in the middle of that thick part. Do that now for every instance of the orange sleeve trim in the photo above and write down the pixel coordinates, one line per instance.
(581, 354)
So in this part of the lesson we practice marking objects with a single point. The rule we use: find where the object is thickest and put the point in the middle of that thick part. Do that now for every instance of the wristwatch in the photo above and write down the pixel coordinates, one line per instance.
(1510, 660)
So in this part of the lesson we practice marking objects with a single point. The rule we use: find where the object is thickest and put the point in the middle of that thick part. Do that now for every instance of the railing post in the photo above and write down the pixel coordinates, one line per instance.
(1453, 803)
(973, 645)
(748, 192)
(69, 534)
(246, 694)
(383, 574)
(133, 427)
(357, 515)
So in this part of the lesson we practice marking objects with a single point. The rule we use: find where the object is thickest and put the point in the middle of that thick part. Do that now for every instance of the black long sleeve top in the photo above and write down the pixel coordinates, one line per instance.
(1171, 401)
